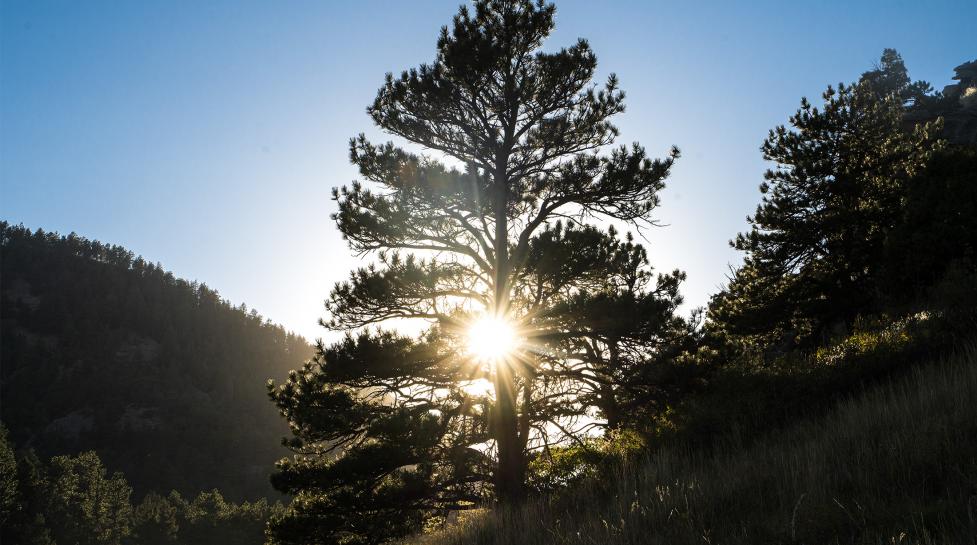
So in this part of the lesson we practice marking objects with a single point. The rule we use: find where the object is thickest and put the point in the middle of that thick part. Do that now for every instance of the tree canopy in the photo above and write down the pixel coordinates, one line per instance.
(814, 250)
(494, 221)
(858, 185)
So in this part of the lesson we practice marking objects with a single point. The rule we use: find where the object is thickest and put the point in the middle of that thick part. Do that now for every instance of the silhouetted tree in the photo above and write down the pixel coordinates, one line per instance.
(891, 78)
(816, 244)
(389, 429)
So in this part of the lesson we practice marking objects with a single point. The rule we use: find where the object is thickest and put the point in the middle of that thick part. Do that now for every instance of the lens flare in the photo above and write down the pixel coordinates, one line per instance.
(491, 339)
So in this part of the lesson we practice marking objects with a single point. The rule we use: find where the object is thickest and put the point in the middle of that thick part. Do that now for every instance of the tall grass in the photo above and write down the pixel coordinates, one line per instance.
(897, 464)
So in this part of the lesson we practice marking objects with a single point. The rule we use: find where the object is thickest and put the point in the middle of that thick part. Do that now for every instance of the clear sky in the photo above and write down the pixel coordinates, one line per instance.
(207, 135)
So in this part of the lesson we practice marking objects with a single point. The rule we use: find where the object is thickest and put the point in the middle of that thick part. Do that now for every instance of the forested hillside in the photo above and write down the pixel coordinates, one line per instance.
(105, 351)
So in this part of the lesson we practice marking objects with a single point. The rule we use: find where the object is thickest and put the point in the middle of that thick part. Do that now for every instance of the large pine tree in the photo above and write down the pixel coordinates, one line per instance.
(391, 430)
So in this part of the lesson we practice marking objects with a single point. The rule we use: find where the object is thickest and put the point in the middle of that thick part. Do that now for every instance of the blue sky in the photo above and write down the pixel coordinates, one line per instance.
(207, 135)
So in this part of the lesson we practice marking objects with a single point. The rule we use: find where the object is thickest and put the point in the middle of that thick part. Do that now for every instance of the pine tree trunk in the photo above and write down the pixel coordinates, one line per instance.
(609, 406)
(608, 397)
(510, 476)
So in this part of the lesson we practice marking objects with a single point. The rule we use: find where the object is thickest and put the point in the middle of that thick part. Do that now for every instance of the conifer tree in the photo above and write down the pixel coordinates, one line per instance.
(891, 78)
(816, 243)
(9, 493)
(391, 430)
(86, 505)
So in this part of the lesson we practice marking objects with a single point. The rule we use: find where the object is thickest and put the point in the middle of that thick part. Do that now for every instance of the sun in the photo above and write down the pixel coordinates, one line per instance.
(492, 339)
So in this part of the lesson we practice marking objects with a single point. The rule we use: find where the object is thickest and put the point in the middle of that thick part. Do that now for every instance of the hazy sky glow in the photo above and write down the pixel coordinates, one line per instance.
(207, 135)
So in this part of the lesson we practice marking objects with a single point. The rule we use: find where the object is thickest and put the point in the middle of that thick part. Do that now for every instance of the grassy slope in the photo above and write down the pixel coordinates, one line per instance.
(897, 464)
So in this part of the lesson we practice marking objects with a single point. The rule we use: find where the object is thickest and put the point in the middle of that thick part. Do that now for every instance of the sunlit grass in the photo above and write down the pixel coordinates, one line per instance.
(895, 465)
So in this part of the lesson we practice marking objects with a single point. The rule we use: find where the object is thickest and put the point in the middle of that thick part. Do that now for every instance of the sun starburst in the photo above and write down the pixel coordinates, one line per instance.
(492, 339)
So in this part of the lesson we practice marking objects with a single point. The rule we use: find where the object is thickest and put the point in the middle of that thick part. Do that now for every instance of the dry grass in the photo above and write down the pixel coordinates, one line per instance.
(897, 464)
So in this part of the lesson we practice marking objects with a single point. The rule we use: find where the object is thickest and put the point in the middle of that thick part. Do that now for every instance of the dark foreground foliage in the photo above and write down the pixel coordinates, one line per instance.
(897, 464)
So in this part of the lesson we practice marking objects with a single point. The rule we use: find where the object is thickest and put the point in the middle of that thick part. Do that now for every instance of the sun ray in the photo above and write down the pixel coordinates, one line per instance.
(492, 339)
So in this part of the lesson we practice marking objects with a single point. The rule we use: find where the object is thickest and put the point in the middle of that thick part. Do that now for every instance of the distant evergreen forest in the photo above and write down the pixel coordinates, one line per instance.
(164, 379)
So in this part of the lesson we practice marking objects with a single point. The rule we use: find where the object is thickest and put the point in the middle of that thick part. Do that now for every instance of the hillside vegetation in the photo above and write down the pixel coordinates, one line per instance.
(897, 464)
(163, 378)
(858, 266)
